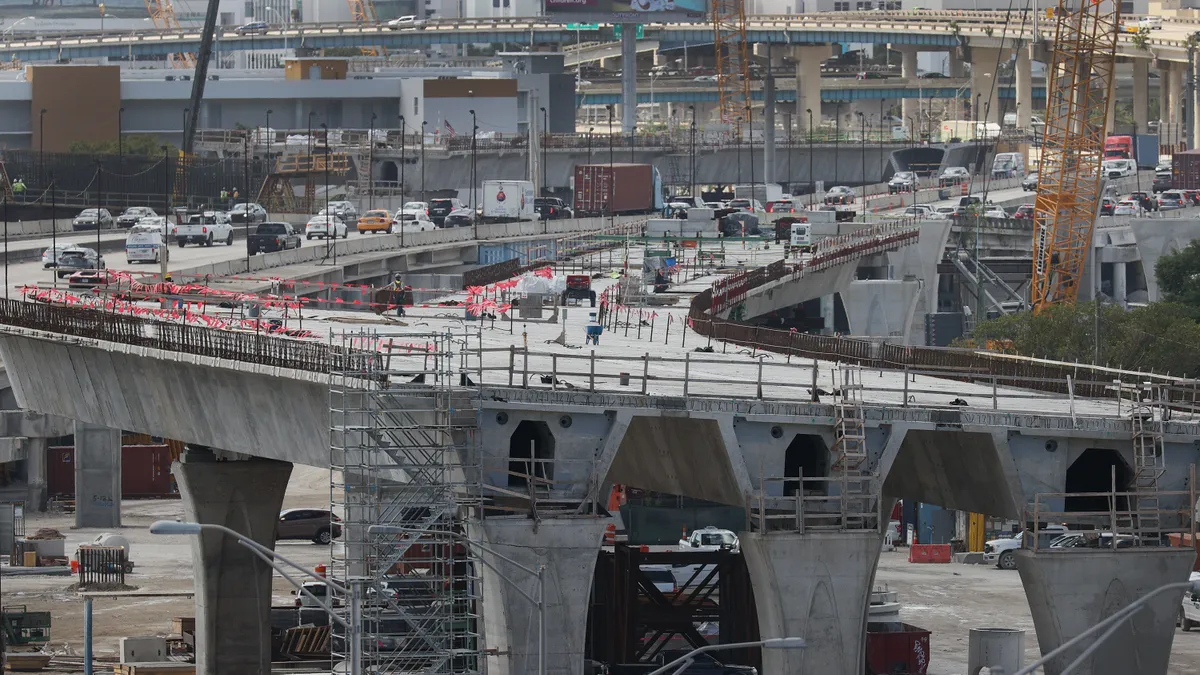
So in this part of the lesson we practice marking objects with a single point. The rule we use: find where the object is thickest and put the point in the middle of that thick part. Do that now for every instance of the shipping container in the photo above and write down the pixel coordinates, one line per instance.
(763, 192)
(145, 472)
(633, 188)
(508, 201)
(1185, 170)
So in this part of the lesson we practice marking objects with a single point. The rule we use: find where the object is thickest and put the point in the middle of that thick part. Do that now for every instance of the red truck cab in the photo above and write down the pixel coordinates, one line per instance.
(1118, 147)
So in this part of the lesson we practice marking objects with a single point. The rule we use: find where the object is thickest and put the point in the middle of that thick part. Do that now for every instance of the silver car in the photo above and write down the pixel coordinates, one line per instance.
(76, 259)
(50, 255)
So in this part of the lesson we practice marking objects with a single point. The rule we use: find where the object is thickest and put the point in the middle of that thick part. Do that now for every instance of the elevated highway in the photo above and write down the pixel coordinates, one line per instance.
(919, 28)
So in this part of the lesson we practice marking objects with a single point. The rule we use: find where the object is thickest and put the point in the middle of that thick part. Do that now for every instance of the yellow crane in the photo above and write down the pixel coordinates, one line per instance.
(162, 15)
(363, 14)
(1070, 174)
(733, 62)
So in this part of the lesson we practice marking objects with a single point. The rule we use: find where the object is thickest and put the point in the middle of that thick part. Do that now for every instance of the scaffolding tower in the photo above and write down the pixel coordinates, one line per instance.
(402, 482)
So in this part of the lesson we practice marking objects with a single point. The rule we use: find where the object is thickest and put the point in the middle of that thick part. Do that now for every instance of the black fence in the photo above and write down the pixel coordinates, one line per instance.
(102, 565)
(131, 180)
(249, 347)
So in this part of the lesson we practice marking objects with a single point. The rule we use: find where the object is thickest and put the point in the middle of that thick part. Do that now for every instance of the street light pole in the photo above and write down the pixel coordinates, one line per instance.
(589, 144)
(474, 185)
(183, 184)
(862, 119)
(608, 201)
(42, 146)
(545, 139)
(837, 138)
(423, 198)
(120, 137)
(371, 164)
(403, 129)
(812, 183)
(750, 141)
(692, 173)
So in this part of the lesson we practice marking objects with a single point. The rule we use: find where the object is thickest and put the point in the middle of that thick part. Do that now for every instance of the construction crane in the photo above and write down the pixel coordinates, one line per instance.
(1070, 177)
(162, 14)
(363, 14)
(733, 63)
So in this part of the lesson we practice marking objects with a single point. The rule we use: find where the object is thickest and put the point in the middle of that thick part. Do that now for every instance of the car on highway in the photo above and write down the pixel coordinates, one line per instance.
(416, 206)
(252, 28)
(1150, 22)
(90, 279)
(1023, 212)
(205, 228)
(932, 76)
(995, 213)
(440, 208)
(839, 194)
(75, 259)
(316, 525)
(1162, 182)
(271, 237)
(133, 214)
(1170, 200)
(1145, 200)
(748, 205)
(459, 218)
(247, 212)
(1107, 204)
(1191, 197)
(375, 220)
(781, 206)
(903, 181)
(414, 220)
(1029, 182)
(146, 243)
(549, 208)
(918, 211)
(1119, 168)
(342, 209)
(953, 175)
(407, 21)
(91, 219)
(943, 212)
(51, 255)
(324, 226)
(705, 78)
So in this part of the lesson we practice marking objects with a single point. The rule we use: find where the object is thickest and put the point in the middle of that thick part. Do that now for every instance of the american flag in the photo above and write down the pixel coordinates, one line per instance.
(450, 128)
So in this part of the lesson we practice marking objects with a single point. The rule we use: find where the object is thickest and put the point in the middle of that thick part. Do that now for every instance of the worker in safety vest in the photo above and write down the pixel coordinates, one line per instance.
(18, 189)
(398, 288)
(225, 198)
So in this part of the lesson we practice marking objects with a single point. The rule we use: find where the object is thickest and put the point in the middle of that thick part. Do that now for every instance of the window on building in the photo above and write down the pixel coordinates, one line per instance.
(841, 6)
(227, 18)
(1127, 8)
(249, 10)
(416, 101)
(892, 5)
(864, 5)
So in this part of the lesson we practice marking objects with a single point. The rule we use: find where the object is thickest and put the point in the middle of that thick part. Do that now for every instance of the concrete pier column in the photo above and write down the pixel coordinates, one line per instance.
(628, 77)
(233, 587)
(97, 476)
(1111, 115)
(808, 83)
(1070, 591)
(1024, 68)
(1141, 95)
(816, 586)
(1168, 98)
(910, 107)
(567, 549)
(768, 133)
(957, 69)
(35, 474)
(1118, 277)
(983, 78)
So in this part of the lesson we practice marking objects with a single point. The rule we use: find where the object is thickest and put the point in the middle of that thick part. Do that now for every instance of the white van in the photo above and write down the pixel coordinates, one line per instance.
(1008, 165)
(145, 242)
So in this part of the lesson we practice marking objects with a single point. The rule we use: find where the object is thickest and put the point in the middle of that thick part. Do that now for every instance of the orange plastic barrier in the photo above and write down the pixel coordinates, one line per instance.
(929, 553)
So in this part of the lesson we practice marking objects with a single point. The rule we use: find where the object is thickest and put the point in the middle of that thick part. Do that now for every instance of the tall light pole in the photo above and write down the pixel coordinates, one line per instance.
(589, 144)
(837, 138)
(632, 142)
(310, 138)
(608, 200)
(812, 182)
(423, 198)
(750, 139)
(183, 184)
(545, 140)
(862, 119)
(371, 164)
(41, 146)
(692, 174)
(474, 185)
(120, 136)
(403, 129)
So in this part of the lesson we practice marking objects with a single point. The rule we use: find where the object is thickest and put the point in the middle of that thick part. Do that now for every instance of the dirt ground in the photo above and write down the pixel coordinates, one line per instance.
(947, 600)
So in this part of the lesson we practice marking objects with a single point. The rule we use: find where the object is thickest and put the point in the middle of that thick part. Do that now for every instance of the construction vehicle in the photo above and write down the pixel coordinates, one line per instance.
(579, 286)
(1070, 179)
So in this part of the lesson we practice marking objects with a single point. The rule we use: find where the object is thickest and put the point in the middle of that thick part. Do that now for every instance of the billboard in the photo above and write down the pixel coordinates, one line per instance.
(628, 11)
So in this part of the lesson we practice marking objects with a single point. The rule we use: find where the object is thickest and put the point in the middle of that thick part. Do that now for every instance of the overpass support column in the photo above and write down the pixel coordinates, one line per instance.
(1118, 285)
(909, 107)
(1069, 592)
(97, 476)
(628, 77)
(1024, 88)
(1141, 95)
(816, 586)
(808, 83)
(233, 587)
(565, 550)
(983, 81)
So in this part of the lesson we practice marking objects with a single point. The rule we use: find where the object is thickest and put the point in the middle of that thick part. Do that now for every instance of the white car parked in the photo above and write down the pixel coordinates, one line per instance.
(326, 227)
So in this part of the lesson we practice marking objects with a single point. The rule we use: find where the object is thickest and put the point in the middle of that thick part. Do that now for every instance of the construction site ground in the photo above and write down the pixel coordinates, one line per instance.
(946, 599)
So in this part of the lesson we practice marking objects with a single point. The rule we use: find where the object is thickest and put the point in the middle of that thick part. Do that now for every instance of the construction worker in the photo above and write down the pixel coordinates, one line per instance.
(225, 198)
(398, 288)
(236, 197)
(18, 189)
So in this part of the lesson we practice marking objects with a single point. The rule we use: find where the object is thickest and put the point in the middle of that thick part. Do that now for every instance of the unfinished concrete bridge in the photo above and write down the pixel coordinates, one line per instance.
(513, 434)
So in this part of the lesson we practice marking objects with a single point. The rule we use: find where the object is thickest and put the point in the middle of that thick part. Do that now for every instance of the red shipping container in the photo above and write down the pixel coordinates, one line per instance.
(145, 472)
(897, 649)
(629, 186)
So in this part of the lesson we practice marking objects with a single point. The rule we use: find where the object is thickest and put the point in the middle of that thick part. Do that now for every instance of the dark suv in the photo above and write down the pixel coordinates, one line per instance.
(1146, 200)
(440, 208)
(552, 208)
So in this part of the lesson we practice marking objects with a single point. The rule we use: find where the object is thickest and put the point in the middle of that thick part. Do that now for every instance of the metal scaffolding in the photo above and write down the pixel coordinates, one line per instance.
(402, 434)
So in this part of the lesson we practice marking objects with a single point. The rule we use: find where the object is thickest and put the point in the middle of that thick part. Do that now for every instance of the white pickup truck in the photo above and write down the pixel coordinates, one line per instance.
(710, 539)
(1003, 552)
(1189, 613)
(205, 229)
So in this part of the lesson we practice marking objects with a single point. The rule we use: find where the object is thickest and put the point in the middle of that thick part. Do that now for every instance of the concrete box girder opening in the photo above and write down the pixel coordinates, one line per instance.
(531, 440)
(1092, 471)
(806, 455)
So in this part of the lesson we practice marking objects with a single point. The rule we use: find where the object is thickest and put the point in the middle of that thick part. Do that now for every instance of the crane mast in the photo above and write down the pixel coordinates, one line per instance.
(733, 64)
(1070, 175)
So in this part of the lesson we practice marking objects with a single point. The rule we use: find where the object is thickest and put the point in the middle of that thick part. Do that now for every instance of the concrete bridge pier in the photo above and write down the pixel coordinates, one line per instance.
(97, 476)
(808, 60)
(232, 585)
(1071, 591)
(565, 549)
(817, 586)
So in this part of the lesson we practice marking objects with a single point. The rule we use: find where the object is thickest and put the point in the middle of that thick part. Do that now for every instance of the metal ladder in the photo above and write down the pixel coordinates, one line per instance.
(1149, 464)
(850, 448)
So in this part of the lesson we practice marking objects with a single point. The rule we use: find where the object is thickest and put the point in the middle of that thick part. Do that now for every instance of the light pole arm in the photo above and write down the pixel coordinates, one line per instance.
(299, 587)
(263, 550)
(691, 656)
